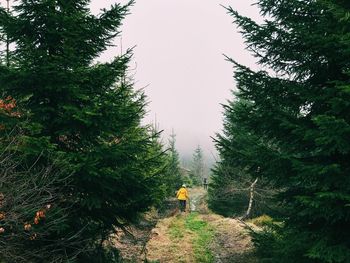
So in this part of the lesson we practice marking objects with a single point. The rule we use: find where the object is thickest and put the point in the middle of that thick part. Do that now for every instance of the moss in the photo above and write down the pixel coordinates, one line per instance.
(261, 220)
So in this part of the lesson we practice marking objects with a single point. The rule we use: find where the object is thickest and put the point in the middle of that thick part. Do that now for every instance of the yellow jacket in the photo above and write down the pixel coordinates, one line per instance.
(182, 194)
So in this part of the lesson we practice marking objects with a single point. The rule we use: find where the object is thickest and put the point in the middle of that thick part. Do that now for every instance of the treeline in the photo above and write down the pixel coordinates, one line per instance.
(75, 161)
(192, 173)
(288, 127)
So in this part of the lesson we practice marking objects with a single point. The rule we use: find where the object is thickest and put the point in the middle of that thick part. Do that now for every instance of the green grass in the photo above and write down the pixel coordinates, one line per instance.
(264, 221)
(261, 220)
(195, 224)
(177, 229)
(204, 234)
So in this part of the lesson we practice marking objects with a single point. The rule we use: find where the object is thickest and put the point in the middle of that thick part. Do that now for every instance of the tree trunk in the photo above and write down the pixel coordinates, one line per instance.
(251, 198)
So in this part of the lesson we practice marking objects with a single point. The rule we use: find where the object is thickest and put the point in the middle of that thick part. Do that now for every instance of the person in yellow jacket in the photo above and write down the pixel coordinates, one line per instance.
(182, 196)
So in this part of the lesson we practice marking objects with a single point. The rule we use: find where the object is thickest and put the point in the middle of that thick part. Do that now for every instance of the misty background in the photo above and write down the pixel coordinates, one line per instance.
(179, 62)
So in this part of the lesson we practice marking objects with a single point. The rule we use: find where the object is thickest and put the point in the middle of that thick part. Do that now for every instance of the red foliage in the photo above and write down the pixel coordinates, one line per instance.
(8, 104)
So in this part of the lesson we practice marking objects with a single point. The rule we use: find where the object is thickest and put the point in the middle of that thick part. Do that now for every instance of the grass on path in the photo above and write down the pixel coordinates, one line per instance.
(203, 236)
(199, 237)
(189, 240)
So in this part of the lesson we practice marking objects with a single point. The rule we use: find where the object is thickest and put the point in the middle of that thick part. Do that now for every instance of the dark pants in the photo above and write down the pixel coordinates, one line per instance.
(182, 205)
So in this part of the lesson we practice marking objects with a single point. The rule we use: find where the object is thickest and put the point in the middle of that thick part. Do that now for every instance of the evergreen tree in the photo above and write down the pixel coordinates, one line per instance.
(229, 191)
(293, 127)
(86, 110)
(197, 171)
(173, 175)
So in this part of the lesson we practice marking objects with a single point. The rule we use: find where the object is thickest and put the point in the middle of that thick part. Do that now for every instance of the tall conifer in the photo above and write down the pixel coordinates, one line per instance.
(87, 110)
(197, 166)
(173, 178)
(291, 124)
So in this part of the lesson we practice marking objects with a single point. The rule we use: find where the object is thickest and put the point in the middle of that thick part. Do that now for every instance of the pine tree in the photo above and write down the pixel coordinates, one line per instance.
(229, 191)
(173, 177)
(197, 171)
(291, 125)
(87, 110)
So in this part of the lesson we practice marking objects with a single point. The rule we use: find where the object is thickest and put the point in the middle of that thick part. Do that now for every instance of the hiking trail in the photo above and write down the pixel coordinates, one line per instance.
(197, 235)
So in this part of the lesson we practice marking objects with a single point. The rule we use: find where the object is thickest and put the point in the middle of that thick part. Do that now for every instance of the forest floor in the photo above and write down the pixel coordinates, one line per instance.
(197, 235)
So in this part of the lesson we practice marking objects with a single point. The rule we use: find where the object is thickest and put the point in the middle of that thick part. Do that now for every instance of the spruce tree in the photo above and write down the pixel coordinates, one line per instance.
(197, 166)
(291, 125)
(173, 178)
(229, 191)
(86, 110)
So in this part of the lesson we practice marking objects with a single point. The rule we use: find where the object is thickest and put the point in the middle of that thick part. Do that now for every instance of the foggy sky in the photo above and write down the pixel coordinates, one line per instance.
(178, 60)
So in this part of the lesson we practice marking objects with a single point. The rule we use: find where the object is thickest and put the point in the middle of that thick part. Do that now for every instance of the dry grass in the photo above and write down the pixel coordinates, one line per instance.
(132, 244)
(192, 237)
(171, 242)
(232, 241)
(261, 220)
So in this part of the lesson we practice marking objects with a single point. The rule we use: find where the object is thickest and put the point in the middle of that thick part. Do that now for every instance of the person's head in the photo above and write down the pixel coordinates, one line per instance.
(184, 185)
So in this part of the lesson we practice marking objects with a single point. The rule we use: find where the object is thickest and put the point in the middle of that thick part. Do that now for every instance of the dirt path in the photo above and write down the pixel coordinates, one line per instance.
(199, 236)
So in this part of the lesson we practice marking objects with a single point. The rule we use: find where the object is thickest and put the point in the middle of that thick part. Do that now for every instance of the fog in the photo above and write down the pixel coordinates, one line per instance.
(178, 62)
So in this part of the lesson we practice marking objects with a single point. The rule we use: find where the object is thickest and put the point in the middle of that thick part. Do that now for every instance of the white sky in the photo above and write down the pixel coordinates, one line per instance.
(179, 60)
